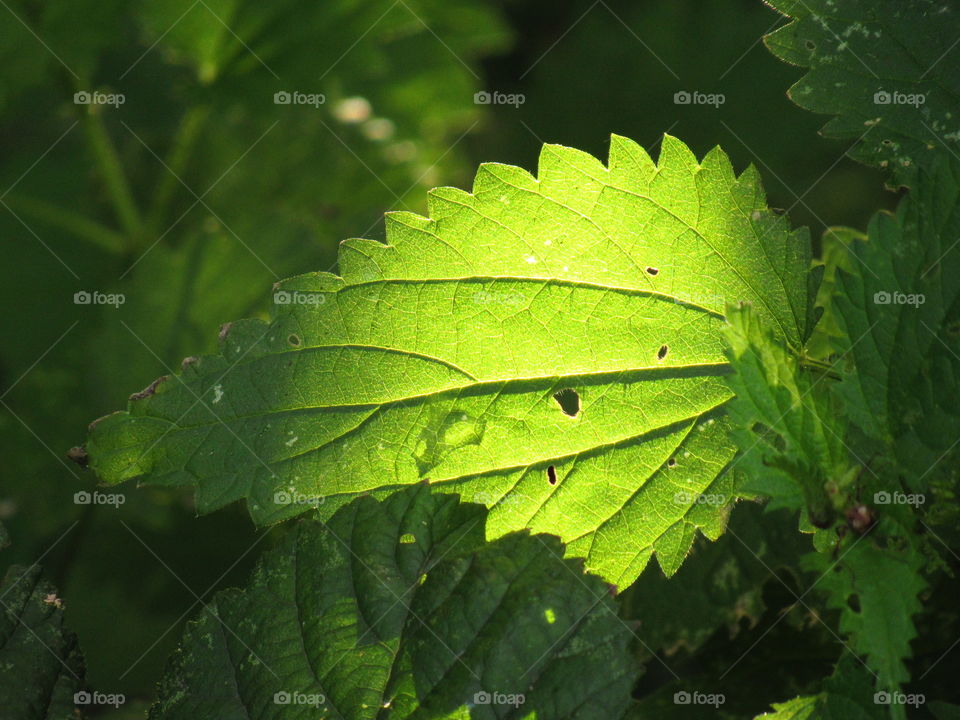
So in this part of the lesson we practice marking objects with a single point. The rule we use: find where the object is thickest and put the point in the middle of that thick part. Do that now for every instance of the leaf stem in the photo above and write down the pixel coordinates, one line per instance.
(808, 363)
(74, 222)
(180, 151)
(113, 175)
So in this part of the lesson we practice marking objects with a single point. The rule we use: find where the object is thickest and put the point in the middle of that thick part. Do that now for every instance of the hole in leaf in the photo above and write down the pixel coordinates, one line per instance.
(569, 401)
(662, 352)
(294, 340)
(407, 539)
(652, 271)
(672, 462)
(552, 475)
(811, 45)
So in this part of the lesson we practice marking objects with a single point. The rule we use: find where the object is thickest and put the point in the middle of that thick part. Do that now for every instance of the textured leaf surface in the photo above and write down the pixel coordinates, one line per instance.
(860, 53)
(791, 442)
(40, 662)
(399, 609)
(900, 312)
(876, 591)
(438, 355)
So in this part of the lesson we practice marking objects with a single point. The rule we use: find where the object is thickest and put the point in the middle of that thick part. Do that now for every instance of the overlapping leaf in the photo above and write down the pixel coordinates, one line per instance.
(438, 355)
(791, 441)
(900, 312)
(721, 584)
(400, 609)
(875, 588)
(41, 666)
(885, 69)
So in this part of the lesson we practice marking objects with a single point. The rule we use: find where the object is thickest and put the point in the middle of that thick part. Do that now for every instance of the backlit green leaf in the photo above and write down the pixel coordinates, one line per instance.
(440, 355)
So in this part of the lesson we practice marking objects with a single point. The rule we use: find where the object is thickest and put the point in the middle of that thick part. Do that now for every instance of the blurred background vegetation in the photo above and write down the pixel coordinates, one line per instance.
(199, 191)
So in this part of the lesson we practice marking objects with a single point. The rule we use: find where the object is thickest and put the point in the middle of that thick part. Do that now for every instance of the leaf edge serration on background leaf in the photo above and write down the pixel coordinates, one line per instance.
(856, 63)
(630, 264)
(399, 608)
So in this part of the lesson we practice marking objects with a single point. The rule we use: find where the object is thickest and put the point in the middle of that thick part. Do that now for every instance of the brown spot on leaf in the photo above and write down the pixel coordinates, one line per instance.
(149, 389)
(78, 455)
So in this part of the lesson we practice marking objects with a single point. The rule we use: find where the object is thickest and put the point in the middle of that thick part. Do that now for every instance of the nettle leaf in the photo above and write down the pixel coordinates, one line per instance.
(875, 589)
(551, 347)
(791, 440)
(899, 309)
(883, 68)
(400, 609)
(829, 339)
(847, 695)
(799, 708)
(41, 667)
(721, 584)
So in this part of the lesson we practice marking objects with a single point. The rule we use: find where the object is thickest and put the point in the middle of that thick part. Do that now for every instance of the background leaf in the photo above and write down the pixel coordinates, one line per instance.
(400, 609)
(883, 69)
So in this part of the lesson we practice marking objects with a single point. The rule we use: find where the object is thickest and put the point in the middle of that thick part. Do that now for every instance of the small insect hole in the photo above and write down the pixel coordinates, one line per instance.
(569, 401)
(662, 352)
(652, 271)
(552, 475)
(672, 462)
(811, 45)
(294, 339)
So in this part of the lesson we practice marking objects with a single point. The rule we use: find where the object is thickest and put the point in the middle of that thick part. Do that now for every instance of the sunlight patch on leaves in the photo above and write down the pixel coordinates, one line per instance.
(438, 355)
(400, 609)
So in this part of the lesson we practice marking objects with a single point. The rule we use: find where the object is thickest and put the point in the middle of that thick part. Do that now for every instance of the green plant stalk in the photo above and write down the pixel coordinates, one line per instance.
(181, 150)
(73, 222)
(114, 177)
